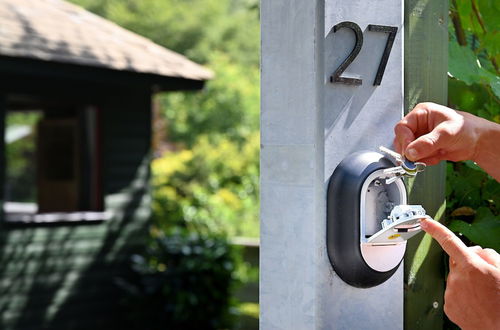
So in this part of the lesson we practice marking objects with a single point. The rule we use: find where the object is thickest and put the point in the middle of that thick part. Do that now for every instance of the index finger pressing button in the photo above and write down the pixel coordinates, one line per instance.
(450, 243)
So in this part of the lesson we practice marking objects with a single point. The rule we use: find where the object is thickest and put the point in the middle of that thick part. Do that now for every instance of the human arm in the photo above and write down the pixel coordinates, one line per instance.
(432, 132)
(472, 296)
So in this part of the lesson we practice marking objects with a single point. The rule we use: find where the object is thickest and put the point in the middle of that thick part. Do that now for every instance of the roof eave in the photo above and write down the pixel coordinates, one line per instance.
(100, 75)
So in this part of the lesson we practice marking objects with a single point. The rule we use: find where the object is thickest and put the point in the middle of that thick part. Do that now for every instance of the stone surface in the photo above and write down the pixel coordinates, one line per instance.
(308, 126)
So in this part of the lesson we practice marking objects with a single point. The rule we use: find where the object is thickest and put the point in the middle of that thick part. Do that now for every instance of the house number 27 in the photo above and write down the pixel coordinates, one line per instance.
(391, 30)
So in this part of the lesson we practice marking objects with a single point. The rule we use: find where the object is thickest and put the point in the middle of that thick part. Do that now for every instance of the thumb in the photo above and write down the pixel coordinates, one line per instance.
(425, 146)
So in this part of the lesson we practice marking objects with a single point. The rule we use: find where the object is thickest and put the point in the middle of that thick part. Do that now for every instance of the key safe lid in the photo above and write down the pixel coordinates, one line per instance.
(358, 199)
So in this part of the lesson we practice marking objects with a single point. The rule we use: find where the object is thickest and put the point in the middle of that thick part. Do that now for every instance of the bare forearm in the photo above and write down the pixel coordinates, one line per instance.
(488, 149)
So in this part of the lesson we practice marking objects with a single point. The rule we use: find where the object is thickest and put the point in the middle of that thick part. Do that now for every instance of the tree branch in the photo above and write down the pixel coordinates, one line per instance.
(481, 22)
(457, 24)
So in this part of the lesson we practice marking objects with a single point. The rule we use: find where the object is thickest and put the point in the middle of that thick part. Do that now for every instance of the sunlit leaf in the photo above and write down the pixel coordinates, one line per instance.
(491, 42)
(484, 231)
(489, 12)
(463, 63)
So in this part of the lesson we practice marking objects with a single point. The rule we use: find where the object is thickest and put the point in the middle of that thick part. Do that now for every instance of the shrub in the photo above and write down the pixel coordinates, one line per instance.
(473, 197)
(183, 281)
(212, 188)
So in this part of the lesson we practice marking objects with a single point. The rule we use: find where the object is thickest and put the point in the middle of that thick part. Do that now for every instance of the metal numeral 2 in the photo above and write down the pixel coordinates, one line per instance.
(391, 30)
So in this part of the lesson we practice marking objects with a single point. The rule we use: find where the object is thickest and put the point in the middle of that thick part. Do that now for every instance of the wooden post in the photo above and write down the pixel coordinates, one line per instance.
(426, 65)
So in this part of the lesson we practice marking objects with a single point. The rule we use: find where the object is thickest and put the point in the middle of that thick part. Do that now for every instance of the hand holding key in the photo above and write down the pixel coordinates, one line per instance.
(431, 133)
(404, 166)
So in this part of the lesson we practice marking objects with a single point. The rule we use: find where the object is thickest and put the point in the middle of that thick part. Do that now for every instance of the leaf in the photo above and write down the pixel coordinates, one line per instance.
(493, 108)
(484, 231)
(472, 165)
(463, 63)
(495, 85)
(489, 11)
(471, 98)
(466, 184)
(491, 192)
(491, 42)
(464, 9)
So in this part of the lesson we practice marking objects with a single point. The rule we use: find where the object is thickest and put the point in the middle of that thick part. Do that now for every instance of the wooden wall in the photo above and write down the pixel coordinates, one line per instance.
(62, 276)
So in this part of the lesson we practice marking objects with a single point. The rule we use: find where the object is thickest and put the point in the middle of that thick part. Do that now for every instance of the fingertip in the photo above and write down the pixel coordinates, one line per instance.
(402, 130)
(450, 243)
(433, 227)
(424, 146)
(411, 154)
(424, 223)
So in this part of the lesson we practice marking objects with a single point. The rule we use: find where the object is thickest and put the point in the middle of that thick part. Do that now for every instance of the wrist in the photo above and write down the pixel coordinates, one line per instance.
(487, 148)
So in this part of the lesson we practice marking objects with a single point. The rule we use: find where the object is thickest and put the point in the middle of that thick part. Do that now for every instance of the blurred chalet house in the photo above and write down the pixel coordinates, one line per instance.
(76, 114)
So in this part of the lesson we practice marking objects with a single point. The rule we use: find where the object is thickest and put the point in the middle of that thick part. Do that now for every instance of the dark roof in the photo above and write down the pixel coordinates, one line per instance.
(57, 31)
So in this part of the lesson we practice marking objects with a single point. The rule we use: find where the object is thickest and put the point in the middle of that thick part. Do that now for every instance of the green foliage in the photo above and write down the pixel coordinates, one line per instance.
(484, 228)
(228, 105)
(473, 204)
(465, 66)
(221, 34)
(211, 188)
(184, 281)
(20, 155)
(195, 28)
(473, 198)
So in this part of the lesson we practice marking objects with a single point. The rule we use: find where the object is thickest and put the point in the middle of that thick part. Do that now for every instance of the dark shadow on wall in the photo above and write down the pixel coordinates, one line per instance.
(63, 276)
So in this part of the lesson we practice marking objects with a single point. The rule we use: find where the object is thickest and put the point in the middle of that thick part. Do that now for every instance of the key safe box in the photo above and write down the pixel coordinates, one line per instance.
(363, 248)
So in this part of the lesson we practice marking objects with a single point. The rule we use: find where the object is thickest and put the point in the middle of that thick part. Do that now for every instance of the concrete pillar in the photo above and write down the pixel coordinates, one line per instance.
(308, 126)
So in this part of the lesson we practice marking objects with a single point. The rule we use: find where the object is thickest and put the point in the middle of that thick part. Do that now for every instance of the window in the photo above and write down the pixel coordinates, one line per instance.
(53, 166)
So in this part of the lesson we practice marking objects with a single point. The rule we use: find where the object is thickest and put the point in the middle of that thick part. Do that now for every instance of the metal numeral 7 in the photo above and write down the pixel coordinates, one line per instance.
(392, 30)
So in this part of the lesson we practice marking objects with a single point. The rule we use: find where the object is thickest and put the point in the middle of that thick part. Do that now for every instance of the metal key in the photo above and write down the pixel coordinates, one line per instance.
(404, 166)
